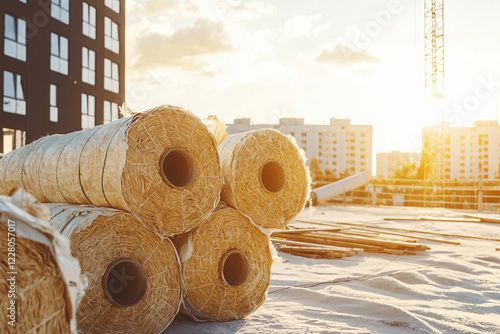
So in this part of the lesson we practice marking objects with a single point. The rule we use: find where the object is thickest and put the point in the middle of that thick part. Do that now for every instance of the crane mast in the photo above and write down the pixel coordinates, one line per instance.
(434, 48)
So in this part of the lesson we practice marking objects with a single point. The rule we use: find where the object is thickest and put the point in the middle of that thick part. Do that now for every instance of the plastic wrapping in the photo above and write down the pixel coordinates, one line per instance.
(265, 176)
(162, 165)
(134, 275)
(47, 278)
(226, 267)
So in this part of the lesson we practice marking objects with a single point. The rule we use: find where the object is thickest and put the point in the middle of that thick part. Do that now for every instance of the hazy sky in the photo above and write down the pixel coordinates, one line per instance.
(316, 59)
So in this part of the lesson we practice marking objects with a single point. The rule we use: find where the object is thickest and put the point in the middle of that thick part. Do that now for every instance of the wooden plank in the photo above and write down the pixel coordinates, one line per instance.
(307, 244)
(370, 240)
(427, 232)
(406, 230)
(382, 242)
(311, 254)
(484, 219)
(376, 234)
(451, 219)
(304, 230)
(402, 218)
(365, 240)
(316, 250)
(366, 248)
(416, 237)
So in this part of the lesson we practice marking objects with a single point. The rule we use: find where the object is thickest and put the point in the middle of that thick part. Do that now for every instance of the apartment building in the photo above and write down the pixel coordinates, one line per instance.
(388, 163)
(340, 147)
(462, 152)
(62, 67)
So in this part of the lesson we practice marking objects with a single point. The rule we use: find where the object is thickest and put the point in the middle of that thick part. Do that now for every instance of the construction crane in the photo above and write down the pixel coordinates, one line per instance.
(433, 146)
(434, 48)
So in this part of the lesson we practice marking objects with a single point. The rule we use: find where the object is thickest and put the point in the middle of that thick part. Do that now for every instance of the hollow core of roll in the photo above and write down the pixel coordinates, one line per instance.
(272, 176)
(234, 268)
(124, 282)
(177, 168)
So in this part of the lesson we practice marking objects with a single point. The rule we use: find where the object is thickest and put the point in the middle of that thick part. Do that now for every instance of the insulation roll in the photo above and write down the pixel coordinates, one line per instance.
(162, 165)
(133, 274)
(265, 176)
(226, 267)
(41, 283)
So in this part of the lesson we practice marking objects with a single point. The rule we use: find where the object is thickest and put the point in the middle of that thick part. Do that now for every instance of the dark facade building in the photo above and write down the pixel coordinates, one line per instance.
(62, 67)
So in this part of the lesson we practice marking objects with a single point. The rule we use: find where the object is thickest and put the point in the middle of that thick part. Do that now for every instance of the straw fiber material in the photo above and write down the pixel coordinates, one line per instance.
(120, 165)
(212, 290)
(47, 280)
(100, 237)
(265, 176)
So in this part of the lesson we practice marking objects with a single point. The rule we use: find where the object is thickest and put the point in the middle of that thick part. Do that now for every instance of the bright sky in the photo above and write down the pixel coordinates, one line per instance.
(316, 59)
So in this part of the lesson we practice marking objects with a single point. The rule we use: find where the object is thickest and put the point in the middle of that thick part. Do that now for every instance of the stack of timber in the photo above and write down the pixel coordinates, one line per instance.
(341, 241)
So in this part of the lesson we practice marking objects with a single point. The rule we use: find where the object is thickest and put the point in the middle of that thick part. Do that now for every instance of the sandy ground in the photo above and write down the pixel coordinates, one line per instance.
(448, 289)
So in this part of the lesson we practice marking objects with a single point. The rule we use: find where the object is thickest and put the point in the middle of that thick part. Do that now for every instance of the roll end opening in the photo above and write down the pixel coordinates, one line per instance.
(272, 176)
(124, 282)
(234, 268)
(177, 168)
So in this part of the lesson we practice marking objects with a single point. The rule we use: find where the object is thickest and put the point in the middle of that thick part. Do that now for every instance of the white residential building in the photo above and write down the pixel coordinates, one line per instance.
(338, 147)
(463, 152)
(390, 162)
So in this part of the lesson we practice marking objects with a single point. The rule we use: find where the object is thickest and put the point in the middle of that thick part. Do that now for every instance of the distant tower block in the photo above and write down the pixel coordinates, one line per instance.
(434, 48)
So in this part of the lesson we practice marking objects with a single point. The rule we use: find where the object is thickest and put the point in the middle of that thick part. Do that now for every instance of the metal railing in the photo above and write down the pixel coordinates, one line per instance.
(481, 195)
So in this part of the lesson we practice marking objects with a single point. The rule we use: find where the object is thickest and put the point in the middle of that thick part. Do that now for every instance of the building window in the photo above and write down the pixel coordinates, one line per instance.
(23, 1)
(304, 134)
(111, 81)
(13, 139)
(363, 135)
(88, 111)
(110, 112)
(14, 88)
(89, 20)
(113, 4)
(54, 111)
(88, 66)
(15, 38)
(111, 41)
(58, 53)
(60, 10)
(304, 142)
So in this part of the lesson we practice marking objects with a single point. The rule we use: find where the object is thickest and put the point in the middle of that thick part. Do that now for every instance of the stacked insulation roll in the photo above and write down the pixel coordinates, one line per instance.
(133, 274)
(226, 267)
(39, 275)
(265, 176)
(161, 165)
